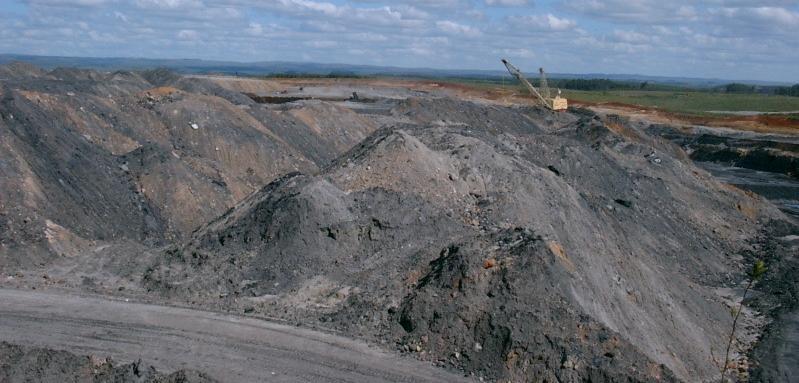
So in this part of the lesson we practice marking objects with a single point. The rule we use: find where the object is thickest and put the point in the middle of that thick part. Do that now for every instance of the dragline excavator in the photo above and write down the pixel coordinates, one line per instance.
(553, 103)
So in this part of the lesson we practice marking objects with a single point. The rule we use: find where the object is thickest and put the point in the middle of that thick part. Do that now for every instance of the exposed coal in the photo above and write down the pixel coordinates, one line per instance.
(273, 99)
(771, 154)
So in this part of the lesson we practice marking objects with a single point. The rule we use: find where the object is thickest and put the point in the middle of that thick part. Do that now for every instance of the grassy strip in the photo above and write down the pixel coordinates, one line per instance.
(690, 102)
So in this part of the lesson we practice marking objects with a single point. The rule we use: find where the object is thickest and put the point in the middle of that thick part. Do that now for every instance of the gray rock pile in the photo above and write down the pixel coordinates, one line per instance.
(510, 243)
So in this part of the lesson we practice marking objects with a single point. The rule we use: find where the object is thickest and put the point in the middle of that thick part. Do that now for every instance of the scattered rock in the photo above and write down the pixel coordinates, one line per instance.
(31, 364)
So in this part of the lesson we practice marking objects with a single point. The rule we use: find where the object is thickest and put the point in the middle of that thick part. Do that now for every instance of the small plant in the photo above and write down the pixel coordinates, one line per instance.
(758, 269)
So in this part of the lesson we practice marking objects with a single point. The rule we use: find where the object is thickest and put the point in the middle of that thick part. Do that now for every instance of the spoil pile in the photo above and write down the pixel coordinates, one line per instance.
(89, 157)
(508, 242)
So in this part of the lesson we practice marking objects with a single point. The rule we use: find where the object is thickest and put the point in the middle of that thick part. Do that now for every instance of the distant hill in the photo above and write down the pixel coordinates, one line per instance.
(196, 66)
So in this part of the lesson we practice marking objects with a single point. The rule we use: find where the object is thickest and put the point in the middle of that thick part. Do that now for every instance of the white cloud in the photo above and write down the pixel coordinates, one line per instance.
(329, 9)
(368, 37)
(80, 3)
(454, 28)
(255, 29)
(321, 44)
(543, 22)
(637, 11)
(644, 36)
(632, 37)
(766, 15)
(187, 34)
(121, 16)
(169, 4)
(518, 52)
(357, 52)
(507, 3)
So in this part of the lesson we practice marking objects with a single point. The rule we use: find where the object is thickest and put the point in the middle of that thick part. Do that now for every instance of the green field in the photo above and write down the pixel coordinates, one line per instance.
(669, 98)
(692, 102)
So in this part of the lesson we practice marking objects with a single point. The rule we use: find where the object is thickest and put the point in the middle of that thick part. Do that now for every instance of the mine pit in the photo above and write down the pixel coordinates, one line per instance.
(447, 232)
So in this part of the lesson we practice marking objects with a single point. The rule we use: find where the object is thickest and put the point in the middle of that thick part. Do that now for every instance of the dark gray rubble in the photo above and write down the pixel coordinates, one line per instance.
(33, 364)
(88, 158)
(510, 243)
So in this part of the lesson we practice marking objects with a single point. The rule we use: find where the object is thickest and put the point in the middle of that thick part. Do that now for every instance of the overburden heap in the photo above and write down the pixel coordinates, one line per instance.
(508, 242)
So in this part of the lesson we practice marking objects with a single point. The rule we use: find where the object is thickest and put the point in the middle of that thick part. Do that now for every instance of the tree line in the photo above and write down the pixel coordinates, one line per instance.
(745, 88)
(788, 91)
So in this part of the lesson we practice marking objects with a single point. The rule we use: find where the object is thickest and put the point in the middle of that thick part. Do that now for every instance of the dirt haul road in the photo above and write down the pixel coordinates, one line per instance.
(227, 347)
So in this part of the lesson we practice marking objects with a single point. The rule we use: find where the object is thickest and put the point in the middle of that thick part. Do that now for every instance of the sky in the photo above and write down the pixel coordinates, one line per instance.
(728, 39)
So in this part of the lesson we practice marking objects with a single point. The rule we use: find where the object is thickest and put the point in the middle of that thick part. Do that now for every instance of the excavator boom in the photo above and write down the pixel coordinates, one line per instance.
(515, 72)
(557, 103)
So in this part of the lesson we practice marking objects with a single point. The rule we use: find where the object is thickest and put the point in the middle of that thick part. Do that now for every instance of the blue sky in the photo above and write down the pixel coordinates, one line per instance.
(732, 39)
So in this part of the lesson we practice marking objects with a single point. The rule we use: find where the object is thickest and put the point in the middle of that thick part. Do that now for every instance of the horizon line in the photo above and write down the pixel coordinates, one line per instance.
(486, 71)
